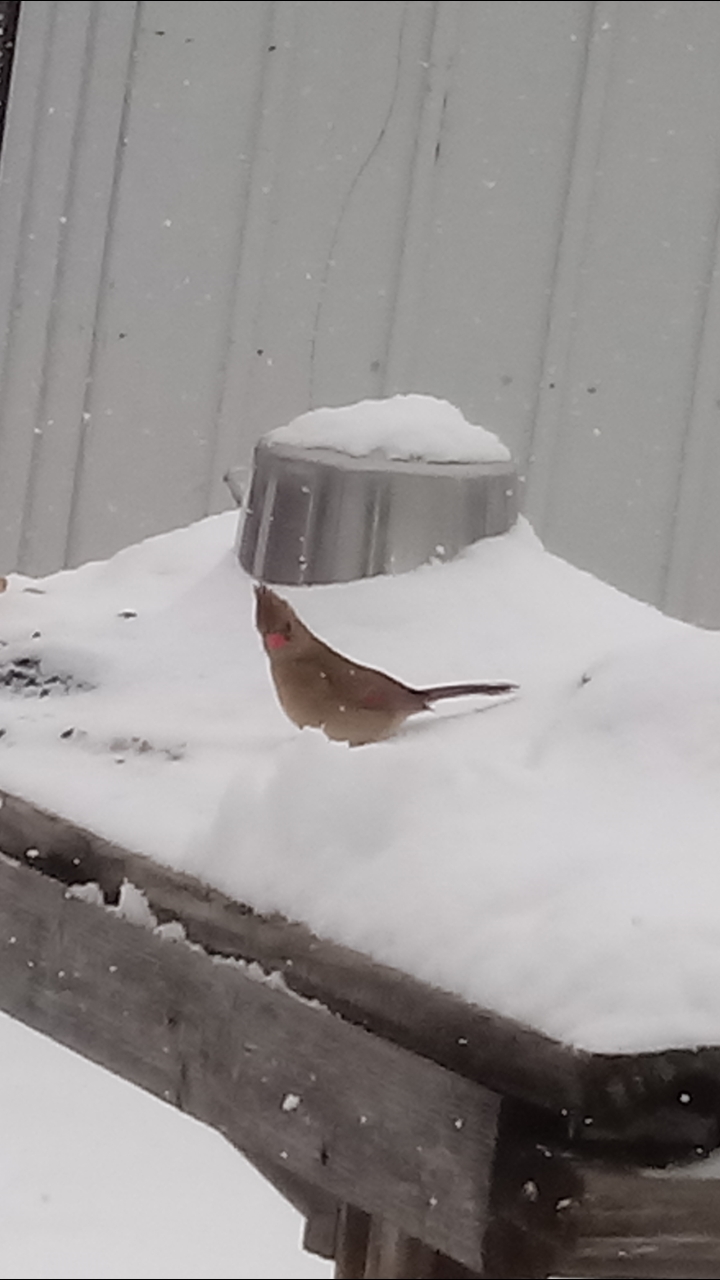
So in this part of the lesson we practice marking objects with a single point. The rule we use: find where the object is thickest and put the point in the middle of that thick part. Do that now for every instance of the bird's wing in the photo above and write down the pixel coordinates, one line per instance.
(365, 687)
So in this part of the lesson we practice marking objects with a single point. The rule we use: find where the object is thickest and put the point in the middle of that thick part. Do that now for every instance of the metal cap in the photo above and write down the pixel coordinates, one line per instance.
(318, 515)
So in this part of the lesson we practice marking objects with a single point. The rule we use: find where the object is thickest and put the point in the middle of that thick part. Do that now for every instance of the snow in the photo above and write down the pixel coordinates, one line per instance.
(553, 856)
(101, 1180)
(403, 427)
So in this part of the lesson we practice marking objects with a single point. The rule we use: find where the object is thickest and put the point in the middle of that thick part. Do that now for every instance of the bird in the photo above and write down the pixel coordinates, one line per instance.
(319, 688)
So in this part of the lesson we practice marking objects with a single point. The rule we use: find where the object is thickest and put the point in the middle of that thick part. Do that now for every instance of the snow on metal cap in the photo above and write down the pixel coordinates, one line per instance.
(376, 487)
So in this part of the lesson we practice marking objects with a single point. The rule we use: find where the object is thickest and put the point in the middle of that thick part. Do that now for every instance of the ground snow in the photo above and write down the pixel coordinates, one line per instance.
(101, 1181)
(553, 856)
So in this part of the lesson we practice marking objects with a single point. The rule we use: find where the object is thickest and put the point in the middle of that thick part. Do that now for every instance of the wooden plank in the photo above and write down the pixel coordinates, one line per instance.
(655, 1105)
(679, 1258)
(320, 1235)
(630, 1223)
(342, 1110)
(557, 1211)
(477, 1044)
(534, 1184)
(554, 1212)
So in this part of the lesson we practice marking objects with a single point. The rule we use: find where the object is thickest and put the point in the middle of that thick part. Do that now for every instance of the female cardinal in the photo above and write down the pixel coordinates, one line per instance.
(317, 686)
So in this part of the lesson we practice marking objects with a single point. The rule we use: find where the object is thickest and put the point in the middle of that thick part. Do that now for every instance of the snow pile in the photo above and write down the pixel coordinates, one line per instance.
(402, 428)
(554, 857)
(83, 1152)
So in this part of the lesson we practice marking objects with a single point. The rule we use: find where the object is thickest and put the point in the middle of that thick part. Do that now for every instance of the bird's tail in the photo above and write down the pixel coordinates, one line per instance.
(441, 691)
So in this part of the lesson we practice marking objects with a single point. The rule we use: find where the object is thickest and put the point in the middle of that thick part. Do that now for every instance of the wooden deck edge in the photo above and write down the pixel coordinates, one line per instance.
(475, 1043)
(657, 1105)
(346, 1113)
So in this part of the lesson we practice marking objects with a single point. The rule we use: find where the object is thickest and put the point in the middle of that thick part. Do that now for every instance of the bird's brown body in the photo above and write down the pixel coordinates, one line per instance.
(319, 688)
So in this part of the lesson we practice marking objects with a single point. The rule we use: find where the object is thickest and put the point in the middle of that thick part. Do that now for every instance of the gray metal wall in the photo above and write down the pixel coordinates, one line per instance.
(215, 215)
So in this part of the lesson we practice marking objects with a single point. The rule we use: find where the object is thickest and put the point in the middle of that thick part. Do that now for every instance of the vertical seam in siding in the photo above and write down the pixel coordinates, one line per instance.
(571, 244)
(102, 285)
(249, 270)
(50, 334)
(698, 441)
(345, 205)
(26, 213)
(402, 322)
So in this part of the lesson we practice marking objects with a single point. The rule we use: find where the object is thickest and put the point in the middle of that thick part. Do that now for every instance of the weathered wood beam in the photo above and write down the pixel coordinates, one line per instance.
(655, 1104)
(630, 1222)
(342, 1110)
(564, 1213)
(473, 1042)
(639, 1100)
(555, 1212)
(332, 1113)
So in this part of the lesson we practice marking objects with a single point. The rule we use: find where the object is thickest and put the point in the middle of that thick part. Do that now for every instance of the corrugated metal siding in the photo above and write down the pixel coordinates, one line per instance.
(215, 216)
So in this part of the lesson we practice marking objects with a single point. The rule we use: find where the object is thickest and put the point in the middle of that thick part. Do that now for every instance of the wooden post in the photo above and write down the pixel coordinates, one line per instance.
(372, 1248)
(391, 1252)
(352, 1243)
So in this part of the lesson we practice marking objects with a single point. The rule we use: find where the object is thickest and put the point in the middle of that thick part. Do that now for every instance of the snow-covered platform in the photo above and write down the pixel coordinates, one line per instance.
(502, 923)
(553, 858)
